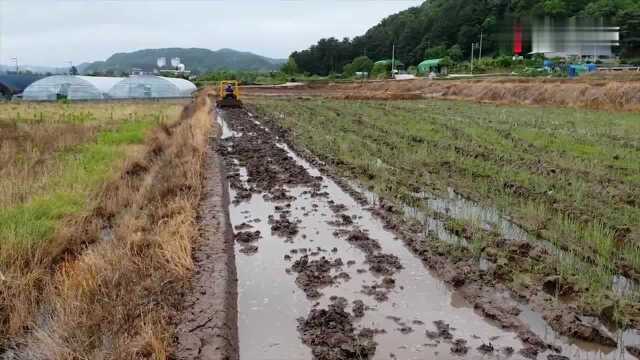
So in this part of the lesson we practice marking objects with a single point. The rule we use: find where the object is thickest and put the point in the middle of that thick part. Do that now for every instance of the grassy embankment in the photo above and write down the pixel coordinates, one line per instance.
(54, 156)
(97, 212)
(569, 176)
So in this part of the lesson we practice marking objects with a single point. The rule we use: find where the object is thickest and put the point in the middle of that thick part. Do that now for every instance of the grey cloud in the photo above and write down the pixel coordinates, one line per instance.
(53, 32)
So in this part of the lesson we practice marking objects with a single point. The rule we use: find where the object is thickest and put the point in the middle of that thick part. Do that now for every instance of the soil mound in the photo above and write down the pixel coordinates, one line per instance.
(331, 335)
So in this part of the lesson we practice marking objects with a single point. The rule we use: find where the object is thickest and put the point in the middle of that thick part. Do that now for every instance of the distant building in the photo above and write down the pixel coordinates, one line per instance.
(583, 39)
(176, 68)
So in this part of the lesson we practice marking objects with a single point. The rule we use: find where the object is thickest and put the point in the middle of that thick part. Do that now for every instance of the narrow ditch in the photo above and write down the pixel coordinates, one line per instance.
(320, 276)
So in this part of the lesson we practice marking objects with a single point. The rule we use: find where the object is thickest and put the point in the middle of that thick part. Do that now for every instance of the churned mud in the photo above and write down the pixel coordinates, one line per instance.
(331, 277)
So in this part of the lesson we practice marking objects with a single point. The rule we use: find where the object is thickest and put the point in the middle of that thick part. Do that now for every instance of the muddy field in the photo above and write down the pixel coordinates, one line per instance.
(327, 270)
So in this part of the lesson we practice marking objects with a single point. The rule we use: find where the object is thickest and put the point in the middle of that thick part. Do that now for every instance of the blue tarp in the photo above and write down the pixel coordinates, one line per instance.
(579, 69)
(16, 83)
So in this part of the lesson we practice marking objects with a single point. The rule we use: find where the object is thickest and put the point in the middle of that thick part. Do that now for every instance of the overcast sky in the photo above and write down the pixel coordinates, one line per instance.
(52, 32)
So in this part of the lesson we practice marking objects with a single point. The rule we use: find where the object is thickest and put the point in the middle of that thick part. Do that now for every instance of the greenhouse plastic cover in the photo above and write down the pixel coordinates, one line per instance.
(98, 88)
(73, 87)
(146, 86)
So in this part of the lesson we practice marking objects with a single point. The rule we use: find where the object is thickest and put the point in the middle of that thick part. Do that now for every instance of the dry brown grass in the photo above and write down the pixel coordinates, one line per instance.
(603, 94)
(111, 281)
(32, 137)
(586, 92)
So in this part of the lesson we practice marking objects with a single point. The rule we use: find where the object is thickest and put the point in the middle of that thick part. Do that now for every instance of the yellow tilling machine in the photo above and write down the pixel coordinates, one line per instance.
(229, 94)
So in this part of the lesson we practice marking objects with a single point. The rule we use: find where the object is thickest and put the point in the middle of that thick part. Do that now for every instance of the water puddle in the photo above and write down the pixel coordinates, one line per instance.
(579, 349)
(488, 218)
(270, 301)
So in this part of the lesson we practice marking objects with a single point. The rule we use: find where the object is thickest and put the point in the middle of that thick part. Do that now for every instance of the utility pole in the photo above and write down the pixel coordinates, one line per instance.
(393, 58)
(473, 45)
(480, 54)
(15, 59)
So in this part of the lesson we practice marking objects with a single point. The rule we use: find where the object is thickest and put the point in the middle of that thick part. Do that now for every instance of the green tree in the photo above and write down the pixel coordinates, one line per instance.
(455, 53)
(555, 7)
(437, 52)
(359, 64)
(290, 67)
(380, 69)
(429, 30)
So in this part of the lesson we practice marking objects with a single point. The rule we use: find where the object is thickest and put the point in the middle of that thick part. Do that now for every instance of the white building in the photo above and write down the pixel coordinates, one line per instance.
(573, 38)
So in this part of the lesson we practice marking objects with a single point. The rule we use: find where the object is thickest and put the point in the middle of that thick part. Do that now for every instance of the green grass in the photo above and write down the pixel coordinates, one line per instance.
(570, 176)
(49, 177)
(83, 168)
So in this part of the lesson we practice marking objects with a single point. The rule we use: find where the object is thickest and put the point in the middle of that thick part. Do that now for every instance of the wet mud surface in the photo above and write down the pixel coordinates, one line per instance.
(208, 326)
(323, 274)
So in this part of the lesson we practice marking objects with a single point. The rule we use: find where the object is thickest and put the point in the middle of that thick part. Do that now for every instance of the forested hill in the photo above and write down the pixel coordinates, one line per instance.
(439, 25)
(198, 60)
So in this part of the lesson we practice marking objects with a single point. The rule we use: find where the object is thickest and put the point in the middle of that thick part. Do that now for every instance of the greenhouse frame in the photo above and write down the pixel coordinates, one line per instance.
(70, 87)
(73, 87)
(148, 86)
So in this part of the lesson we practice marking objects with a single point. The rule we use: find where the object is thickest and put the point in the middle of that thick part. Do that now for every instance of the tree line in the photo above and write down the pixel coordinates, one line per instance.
(440, 28)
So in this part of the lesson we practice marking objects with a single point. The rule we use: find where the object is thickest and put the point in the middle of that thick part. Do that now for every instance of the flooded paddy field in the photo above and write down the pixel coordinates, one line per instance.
(329, 270)
(565, 179)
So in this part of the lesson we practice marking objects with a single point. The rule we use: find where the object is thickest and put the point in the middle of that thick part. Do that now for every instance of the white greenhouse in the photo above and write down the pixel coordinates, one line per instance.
(146, 86)
(99, 88)
(70, 87)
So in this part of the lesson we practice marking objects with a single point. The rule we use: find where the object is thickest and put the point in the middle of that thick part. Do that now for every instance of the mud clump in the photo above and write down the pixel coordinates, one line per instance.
(486, 348)
(388, 282)
(343, 220)
(553, 285)
(337, 208)
(314, 274)
(331, 335)
(246, 240)
(557, 357)
(247, 237)
(358, 308)
(504, 314)
(377, 291)
(443, 331)
(362, 241)
(282, 226)
(249, 249)
(459, 347)
(404, 328)
(570, 324)
(633, 350)
(279, 194)
(529, 352)
(532, 340)
(385, 264)
(243, 226)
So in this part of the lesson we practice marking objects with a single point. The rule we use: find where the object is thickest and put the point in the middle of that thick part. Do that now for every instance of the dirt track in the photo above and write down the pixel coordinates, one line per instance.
(581, 93)
(208, 328)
